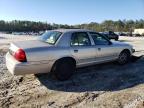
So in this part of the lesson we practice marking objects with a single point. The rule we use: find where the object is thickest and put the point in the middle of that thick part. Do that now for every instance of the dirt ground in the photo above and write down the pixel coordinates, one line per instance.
(101, 86)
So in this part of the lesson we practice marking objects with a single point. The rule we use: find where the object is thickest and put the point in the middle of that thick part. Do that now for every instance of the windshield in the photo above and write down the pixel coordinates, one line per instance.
(50, 37)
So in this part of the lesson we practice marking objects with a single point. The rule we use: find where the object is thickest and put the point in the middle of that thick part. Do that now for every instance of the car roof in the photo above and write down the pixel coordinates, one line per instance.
(72, 30)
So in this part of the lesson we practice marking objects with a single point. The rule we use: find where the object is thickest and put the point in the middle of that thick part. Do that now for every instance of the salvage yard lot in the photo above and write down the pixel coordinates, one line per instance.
(102, 86)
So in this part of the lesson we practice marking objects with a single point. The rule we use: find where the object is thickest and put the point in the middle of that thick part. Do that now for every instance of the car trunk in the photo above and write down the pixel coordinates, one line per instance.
(31, 44)
(31, 48)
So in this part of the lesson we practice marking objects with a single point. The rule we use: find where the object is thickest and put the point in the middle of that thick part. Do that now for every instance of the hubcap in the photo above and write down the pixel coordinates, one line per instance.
(123, 58)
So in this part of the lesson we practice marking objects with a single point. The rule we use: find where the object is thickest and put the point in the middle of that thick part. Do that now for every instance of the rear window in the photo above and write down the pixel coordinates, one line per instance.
(50, 37)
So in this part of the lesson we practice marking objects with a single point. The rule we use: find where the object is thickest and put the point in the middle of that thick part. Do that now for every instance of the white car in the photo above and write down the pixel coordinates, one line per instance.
(61, 51)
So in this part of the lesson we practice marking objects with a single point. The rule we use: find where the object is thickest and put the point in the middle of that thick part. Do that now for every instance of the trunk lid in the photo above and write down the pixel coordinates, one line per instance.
(28, 47)
(30, 44)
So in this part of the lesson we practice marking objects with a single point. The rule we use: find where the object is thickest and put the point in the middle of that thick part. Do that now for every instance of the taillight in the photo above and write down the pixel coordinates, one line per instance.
(20, 55)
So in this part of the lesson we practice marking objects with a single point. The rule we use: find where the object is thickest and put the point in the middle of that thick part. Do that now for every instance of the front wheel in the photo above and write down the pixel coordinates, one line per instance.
(116, 39)
(124, 57)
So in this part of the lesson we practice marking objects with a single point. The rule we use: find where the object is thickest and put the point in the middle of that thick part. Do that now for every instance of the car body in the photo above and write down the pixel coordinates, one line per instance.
(81, 47)
(111, 35)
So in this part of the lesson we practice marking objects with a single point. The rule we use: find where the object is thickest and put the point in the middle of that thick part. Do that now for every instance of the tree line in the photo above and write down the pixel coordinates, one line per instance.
(107, 25)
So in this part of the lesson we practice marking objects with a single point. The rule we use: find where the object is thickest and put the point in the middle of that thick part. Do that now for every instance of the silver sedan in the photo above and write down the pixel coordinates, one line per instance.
(61, 51)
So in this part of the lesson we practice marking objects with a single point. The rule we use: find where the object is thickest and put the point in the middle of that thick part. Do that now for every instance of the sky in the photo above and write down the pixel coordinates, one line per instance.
(71, 11)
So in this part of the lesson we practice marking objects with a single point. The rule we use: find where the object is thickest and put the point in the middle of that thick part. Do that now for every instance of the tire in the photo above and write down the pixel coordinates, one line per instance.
(116, 39)
(124, 57)
(64, 69)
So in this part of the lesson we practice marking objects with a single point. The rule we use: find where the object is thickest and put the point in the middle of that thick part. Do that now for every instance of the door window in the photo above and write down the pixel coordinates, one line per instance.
(99, 39)
(80, 39)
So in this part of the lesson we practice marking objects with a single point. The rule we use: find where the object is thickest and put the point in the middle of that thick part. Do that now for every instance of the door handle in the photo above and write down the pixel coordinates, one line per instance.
(99, 49)
(75, 51)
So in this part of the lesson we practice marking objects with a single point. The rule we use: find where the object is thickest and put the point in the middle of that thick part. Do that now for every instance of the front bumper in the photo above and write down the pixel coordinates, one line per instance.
(133, 50)
(20, 68)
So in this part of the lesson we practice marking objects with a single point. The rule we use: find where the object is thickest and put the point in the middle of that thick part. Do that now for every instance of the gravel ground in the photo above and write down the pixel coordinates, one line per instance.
(101, 86)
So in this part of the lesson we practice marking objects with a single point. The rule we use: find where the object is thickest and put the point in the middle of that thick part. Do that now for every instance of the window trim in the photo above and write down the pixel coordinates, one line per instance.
(77, 39)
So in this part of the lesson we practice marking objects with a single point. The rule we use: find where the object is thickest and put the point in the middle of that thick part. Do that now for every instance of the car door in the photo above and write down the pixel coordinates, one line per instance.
(105, 50)
(82, 49)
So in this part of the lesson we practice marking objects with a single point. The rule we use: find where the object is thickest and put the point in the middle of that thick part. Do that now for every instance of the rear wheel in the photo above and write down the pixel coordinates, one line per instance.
(124, 57)
(64, 69)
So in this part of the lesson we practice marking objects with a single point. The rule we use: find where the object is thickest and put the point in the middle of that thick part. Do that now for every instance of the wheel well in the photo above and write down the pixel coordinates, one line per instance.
(68, 59)
(126, 50)
(64, 58)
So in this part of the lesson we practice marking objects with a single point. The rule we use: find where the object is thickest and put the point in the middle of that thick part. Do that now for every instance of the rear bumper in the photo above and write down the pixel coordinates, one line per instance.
(21, 68)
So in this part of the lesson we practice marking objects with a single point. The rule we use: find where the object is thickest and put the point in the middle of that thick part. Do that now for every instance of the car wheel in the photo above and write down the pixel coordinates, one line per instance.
(64, 69)
(124, 57)
(116, 39)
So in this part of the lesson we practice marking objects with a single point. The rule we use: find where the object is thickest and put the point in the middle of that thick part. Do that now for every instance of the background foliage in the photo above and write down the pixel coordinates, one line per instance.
(107, 25)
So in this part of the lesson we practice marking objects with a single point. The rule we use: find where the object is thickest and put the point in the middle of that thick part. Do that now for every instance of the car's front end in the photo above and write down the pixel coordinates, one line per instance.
(123, 46)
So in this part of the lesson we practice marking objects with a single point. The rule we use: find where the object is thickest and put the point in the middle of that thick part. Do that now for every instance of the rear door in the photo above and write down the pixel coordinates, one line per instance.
(82, 49)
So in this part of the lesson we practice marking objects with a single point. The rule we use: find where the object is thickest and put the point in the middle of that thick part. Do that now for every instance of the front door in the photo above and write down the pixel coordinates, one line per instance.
(105, 51)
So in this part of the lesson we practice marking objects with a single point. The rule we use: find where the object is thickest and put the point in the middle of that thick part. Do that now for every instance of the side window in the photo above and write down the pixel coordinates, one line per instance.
(80, 39)
(99, 39)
